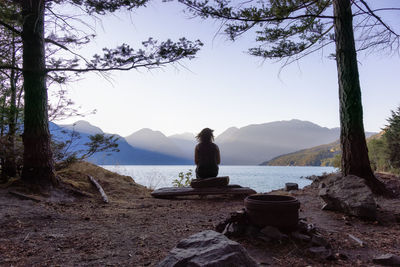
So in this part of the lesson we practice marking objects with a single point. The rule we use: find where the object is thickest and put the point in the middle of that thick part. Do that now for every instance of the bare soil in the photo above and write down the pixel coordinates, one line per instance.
(135, 229)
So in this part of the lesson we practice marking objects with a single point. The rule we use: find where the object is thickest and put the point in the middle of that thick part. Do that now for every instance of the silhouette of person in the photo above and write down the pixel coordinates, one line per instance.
(206, 155)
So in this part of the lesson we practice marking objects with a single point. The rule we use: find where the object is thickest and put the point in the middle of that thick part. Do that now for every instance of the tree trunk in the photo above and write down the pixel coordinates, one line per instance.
(352, 137)
(38, 166)
(2, 148)
(10, 166)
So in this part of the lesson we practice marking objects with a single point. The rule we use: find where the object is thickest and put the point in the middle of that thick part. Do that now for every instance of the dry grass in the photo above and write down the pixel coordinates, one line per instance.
(117, 187)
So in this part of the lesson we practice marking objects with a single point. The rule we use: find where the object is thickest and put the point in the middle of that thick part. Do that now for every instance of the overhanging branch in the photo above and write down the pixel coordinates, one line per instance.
(145, 65)
(371, 12)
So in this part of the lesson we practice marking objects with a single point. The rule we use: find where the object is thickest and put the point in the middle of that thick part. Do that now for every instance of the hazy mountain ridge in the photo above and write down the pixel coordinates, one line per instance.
(322, 155)
(82, 126)
(247, 145)
(154, 141)
(186, 143)
(128, 155)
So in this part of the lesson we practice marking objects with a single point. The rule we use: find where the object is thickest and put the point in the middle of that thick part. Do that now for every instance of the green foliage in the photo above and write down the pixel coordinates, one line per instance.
(337, 161)
(378, 153)
(290, 29)
(317, 156)
(184, 179)
(65, 154)
(100, 143)
(392, 136)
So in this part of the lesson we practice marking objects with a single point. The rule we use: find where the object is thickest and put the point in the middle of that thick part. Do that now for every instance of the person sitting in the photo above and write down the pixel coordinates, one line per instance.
(206, 155)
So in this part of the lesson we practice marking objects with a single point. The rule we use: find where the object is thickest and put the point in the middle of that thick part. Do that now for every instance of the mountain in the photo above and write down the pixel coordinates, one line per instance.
(82, 126)
(186, 143)
(256, 143)
(248, 145)
(155, 141)
(316, 156)
(226, 136)
(128, 154)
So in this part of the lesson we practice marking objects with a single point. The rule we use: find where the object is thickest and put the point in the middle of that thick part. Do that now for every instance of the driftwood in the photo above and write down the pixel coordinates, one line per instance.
(171, 192)
(24, 196)
(103, 194)
(358, 241)
(210, 182)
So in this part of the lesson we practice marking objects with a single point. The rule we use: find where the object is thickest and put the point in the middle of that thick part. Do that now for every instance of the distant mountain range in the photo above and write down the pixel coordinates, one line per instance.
(249, 145)
(128, 155)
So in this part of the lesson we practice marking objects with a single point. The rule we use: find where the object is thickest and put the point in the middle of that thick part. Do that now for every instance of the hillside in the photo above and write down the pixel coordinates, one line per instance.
(322, 155)
(315, 156)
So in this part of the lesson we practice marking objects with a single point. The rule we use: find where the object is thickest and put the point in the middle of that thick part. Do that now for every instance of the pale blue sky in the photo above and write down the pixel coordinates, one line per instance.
(223, 86)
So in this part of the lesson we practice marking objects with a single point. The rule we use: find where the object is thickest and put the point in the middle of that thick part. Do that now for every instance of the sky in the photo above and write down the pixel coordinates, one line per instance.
(223, 86)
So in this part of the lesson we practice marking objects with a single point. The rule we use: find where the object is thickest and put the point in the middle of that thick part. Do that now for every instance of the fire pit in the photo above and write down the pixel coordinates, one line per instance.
(279, 211)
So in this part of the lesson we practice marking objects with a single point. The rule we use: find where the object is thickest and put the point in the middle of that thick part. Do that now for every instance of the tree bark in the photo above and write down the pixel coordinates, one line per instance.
(352, 137)
(10, 165)
(3, 178)
(38, 166)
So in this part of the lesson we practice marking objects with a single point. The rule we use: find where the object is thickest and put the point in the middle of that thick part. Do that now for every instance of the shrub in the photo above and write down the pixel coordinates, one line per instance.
(184, 179)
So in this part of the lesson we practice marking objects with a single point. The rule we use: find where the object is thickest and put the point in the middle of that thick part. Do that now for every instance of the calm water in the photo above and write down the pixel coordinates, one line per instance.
(259, 178)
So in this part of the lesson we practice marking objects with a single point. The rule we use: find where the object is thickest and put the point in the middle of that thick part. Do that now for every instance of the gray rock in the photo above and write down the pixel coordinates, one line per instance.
(387, 260)
(312, 177)
(291, 186)
(321, 252)
(305, 227)
(301, 237)
(273, 233)
(320, 241)
(252, 231)
(234, 229)
(209, 249)
(350, 195)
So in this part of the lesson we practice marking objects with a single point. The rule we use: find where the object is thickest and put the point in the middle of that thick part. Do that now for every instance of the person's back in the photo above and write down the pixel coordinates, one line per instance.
(207, 155)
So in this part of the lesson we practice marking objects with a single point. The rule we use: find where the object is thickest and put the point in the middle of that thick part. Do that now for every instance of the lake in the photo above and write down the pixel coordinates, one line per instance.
(259, 178)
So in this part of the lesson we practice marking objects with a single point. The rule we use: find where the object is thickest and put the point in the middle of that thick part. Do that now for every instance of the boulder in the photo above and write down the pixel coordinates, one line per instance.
(350, 195)
(210, 249)
(318, 240)
(387, 260)
(321, 252)
(300, 237)
(273, 233)
(291, 186)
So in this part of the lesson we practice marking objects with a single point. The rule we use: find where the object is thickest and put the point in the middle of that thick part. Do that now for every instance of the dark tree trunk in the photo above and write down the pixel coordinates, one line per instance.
(10, 166)
(2, 148)
(38, 166)
(352, 137)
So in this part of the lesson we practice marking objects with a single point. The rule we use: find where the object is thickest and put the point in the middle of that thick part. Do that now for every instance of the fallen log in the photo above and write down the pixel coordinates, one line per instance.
(171, 192)
(24, 196)
(103, 194)
(210, 182)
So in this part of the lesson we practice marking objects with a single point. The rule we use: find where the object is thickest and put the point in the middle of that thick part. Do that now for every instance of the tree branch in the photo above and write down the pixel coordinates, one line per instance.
(371, 12)
(10, 67)
(243, 19)
(10, 28)
(47, 40)
(146, 65)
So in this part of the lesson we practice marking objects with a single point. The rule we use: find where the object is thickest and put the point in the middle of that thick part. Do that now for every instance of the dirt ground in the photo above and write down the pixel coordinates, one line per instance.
(135, 229)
